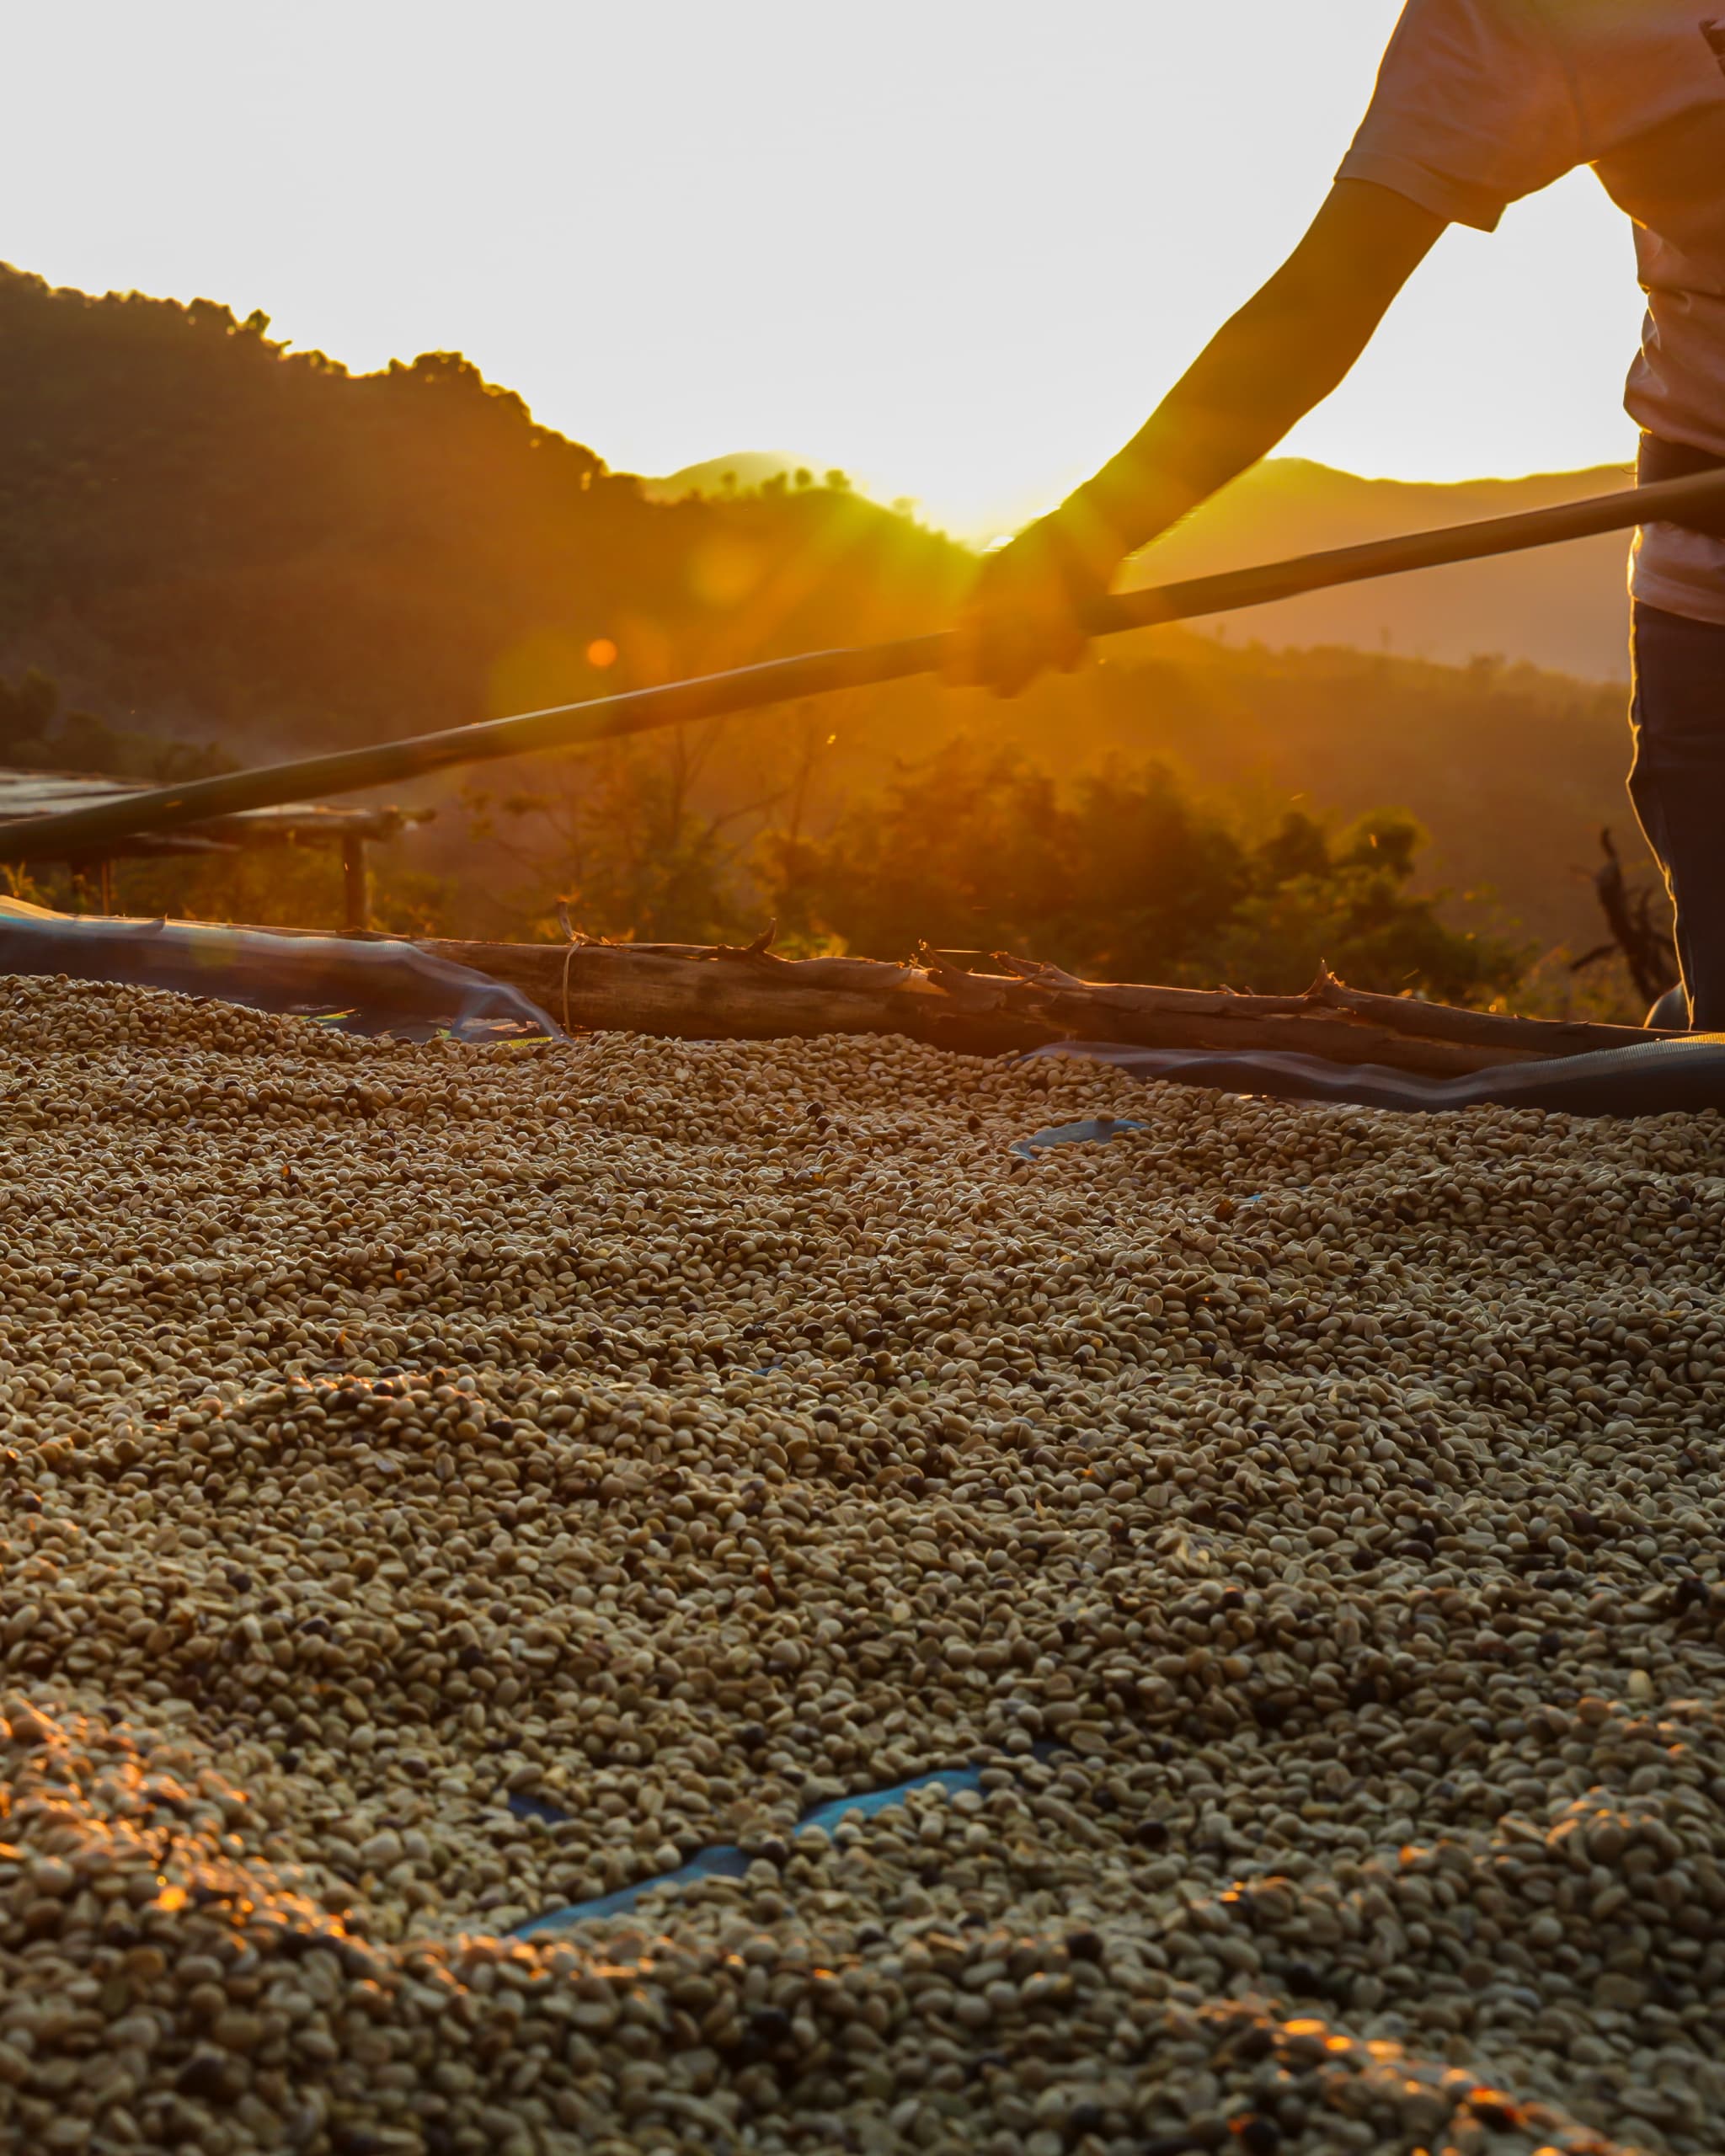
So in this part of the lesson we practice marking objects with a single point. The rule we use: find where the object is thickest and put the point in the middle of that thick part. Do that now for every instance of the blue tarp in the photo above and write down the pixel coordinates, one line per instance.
(360, 986)
(1654, 1078)
(1098, 1130)
(728, 1862)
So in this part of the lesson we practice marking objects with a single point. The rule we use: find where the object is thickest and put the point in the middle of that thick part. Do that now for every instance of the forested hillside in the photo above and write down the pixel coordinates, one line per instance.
(1513, 770)
(199, 527)
(1565, 608)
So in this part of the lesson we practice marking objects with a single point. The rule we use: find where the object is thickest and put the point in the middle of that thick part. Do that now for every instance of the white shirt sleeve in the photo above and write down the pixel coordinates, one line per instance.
(1475, 107)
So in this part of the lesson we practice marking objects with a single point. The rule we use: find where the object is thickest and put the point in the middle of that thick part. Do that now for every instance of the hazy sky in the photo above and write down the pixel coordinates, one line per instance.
(958, 246)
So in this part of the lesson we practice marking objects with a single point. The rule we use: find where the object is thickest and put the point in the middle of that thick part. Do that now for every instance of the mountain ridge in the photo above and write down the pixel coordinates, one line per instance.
(1564, 608)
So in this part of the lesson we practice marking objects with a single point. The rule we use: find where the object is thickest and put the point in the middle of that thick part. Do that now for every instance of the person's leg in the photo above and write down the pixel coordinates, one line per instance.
(1677, 784)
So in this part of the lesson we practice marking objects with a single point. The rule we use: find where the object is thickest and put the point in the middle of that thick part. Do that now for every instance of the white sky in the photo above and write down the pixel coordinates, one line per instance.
(960, 247)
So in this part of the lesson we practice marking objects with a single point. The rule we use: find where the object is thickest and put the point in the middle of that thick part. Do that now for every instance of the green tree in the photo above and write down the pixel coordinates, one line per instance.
(1122, 877)
(36, 734)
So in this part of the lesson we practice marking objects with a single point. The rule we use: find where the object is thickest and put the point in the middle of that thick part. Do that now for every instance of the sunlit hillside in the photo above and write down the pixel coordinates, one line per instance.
(1564, 607)
(202, 529)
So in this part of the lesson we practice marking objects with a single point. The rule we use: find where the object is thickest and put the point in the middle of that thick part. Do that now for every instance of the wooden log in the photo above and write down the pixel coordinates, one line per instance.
(1400, 1014)
(690, 993)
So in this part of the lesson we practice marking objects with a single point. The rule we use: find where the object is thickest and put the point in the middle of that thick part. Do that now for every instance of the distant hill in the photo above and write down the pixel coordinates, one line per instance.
(1562, 607)
(728, 475)
(206, 534)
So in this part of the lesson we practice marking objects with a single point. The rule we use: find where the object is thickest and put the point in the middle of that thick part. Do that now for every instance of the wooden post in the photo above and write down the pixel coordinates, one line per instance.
(356, 884)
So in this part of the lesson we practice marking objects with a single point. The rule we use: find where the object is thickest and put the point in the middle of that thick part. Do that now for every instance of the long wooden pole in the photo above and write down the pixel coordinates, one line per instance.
(83, 831)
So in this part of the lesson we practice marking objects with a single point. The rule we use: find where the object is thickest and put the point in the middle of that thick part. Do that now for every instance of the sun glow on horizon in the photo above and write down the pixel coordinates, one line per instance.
(960, 252)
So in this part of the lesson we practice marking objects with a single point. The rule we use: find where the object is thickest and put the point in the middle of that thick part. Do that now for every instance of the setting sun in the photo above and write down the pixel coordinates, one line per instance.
(957, 249)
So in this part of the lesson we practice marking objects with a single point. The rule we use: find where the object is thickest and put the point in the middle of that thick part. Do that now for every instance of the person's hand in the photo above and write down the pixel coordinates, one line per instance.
(1024, 613)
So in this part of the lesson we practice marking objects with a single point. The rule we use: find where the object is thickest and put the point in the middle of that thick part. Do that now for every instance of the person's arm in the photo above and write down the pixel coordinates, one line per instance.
(1283, 354)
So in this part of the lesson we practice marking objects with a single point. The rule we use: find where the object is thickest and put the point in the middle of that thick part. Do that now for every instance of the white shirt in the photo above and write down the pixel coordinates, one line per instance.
(1479, 102)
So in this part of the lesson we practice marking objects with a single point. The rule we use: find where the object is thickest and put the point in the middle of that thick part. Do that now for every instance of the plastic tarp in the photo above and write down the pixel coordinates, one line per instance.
(1094, 1130)
(1653, 1078)
(728, 1862)
(356, 986)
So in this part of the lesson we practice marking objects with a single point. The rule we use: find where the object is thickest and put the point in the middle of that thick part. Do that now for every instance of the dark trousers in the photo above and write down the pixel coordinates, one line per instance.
(1677, 784)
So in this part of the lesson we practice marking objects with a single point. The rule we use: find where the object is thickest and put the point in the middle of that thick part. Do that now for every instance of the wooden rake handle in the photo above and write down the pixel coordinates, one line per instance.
(87, 832)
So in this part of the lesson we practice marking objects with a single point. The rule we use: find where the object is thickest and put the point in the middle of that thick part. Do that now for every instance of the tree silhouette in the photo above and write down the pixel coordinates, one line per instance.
(1122, 877)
